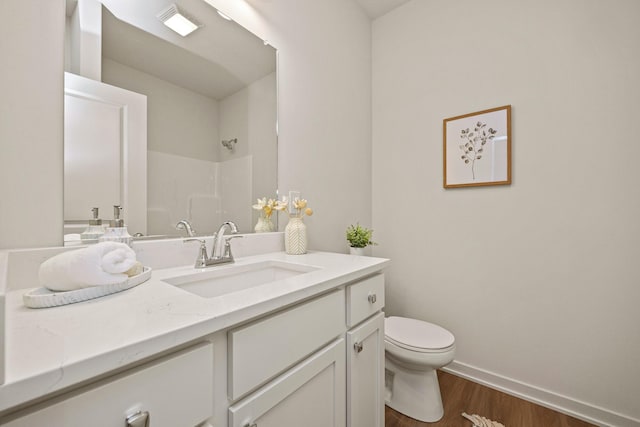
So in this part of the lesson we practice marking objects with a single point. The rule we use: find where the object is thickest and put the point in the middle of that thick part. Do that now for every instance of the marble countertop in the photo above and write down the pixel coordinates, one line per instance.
(51, 349)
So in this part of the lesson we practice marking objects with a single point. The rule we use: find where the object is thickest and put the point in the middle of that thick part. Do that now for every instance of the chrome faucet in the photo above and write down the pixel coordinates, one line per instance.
(219, 243)
(186, 225)
(221, 251)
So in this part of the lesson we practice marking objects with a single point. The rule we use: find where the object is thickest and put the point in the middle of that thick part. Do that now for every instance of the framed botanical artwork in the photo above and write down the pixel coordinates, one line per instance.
(477, 148)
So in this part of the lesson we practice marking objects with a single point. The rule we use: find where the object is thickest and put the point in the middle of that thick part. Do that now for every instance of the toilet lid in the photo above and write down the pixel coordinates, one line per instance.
(416, 333)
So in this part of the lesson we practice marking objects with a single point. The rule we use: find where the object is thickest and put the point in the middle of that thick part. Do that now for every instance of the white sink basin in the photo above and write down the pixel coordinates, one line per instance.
(221, 280)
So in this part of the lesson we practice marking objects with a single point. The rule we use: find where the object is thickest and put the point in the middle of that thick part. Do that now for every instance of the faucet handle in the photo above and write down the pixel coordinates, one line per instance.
(227, 246)
(201, 261)
(202, 241)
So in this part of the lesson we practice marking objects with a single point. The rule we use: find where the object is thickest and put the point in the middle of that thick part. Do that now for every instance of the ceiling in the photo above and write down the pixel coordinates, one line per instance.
(217, 60)
(127, 44)
(186, 68)
(377, 8)
(373, 8)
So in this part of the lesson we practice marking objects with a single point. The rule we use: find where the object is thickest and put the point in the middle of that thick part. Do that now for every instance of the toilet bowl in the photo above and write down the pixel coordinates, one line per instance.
(413, 351)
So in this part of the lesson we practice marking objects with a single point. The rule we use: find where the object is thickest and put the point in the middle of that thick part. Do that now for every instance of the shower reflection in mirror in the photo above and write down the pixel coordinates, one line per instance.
(198, 107)
(229, 144)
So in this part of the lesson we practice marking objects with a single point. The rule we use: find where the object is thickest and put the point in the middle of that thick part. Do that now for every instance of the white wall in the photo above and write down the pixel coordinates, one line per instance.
(234, 120)
(537, 280)
(250, 116)
(83, 50)
(180, 121)
(324, 107)
(31, 112)
(181, 188)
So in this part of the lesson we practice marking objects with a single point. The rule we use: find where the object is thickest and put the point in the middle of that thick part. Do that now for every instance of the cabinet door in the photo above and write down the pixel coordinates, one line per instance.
(312, 394)
(365, 374)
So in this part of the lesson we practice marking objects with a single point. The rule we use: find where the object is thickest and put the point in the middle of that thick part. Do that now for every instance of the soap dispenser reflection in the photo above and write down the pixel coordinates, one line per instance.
(95, 230)
(117, 230)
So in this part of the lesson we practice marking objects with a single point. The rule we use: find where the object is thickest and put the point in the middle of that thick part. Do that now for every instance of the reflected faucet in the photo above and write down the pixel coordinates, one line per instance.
(185, 225)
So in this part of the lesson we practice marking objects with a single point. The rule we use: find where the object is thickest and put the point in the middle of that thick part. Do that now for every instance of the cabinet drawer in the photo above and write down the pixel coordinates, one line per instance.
(261, 350)
(176, 391)
(364, 298)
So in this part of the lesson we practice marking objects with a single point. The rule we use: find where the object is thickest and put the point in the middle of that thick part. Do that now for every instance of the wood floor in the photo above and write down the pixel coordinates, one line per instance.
(460, 395)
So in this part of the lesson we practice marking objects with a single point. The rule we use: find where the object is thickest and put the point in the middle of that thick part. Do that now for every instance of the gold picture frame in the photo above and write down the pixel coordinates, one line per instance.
(477, 148)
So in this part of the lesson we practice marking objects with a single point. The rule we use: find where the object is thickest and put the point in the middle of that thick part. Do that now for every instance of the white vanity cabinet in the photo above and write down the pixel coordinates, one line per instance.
(312, 356)
(365, 353)
(340, 384)
(174, 391)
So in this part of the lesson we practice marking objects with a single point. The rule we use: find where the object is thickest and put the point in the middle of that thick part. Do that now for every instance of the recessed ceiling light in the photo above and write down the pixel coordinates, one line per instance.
(172, 18)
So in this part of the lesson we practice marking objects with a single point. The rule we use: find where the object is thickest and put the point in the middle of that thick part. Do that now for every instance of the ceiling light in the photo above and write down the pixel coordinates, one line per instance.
(224, 16)
(172, 18)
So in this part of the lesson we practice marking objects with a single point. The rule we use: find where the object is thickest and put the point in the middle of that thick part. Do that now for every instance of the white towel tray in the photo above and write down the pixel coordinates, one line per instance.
(43, 297)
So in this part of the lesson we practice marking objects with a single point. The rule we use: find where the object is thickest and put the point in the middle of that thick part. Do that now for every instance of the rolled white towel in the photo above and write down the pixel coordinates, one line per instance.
(104, 263)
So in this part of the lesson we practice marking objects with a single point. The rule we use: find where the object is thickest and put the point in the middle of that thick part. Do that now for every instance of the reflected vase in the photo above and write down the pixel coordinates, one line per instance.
(295, 237)
(264, 225)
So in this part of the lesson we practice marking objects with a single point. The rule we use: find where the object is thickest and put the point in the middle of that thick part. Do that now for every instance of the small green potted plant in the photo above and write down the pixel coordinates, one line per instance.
(359, 238)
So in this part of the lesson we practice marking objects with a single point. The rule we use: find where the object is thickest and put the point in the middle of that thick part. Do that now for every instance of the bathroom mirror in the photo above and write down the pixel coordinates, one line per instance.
(211, 143)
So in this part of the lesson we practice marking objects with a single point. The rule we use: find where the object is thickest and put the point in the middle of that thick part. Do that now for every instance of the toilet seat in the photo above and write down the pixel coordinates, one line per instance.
(417, 335)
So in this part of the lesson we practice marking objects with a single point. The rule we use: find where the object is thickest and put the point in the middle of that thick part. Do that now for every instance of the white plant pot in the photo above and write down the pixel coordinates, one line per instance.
(356, 251)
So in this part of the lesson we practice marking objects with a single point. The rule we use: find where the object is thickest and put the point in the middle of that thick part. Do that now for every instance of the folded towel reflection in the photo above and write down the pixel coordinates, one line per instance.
(105, 263)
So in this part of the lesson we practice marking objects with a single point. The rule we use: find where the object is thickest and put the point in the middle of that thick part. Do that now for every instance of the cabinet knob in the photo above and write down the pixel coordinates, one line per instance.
(251, 425)
(358, 347)
(139, 419)
(372, 298)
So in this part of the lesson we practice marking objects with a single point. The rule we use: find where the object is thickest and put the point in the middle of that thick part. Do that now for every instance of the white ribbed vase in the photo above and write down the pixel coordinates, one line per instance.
(264, 225)
(295, 237)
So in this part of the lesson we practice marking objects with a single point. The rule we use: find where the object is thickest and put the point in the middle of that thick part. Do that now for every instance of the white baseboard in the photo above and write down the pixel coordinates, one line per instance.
(566, 405)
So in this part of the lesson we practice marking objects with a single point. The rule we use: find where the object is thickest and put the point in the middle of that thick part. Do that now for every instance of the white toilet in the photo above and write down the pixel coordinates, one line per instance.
(413, 351)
